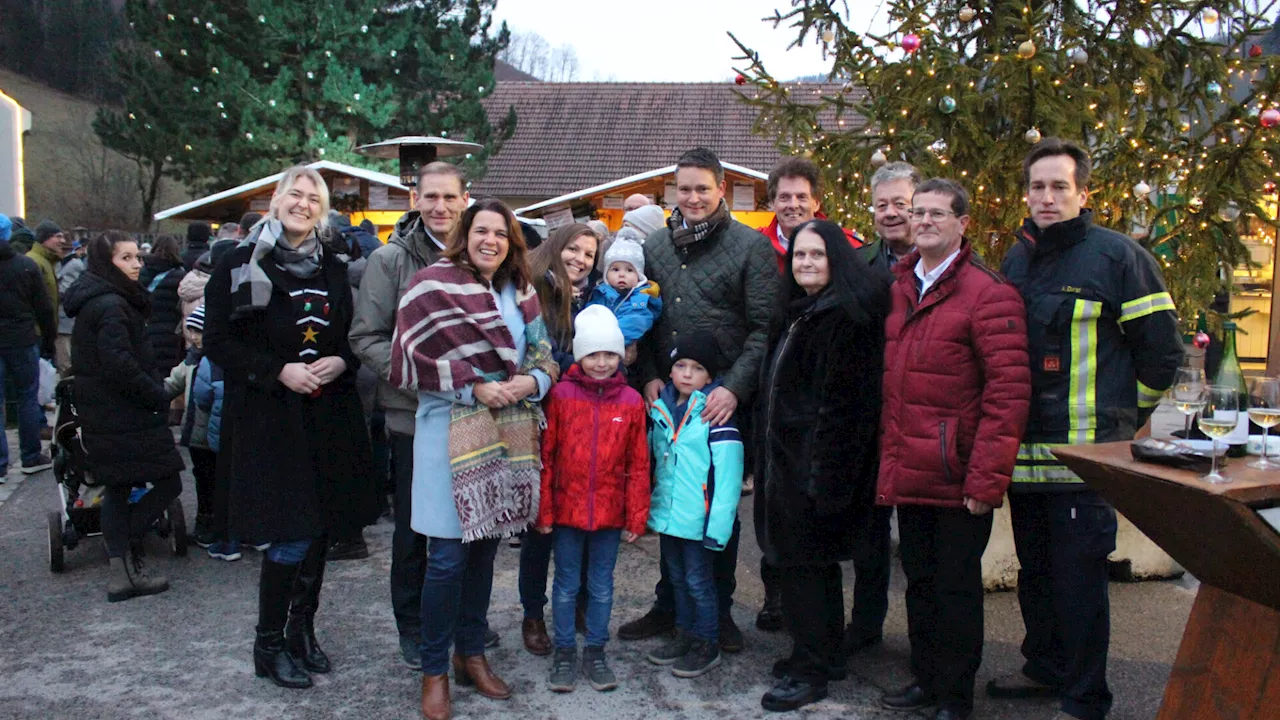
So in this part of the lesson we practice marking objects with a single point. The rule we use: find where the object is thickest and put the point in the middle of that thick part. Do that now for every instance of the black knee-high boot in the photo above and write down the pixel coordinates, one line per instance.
(300, 632)
(270, 656)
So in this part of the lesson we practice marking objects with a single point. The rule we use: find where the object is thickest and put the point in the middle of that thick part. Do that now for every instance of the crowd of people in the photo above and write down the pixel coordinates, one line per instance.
(582, 391)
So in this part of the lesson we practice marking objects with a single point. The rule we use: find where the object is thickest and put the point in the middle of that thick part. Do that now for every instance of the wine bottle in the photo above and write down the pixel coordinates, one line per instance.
(1230, 375)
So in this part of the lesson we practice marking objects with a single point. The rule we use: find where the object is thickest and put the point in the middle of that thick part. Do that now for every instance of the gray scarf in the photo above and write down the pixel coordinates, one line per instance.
(250, 286)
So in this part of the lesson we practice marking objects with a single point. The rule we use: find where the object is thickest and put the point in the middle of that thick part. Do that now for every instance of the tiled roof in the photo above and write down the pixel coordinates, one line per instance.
(575, 135)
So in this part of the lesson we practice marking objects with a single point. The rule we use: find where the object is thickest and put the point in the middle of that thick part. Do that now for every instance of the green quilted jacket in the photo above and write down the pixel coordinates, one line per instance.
(726, 284)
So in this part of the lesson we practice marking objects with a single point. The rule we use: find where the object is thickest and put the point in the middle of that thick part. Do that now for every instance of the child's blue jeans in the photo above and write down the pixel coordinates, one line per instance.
(689, 566)
(601, 556)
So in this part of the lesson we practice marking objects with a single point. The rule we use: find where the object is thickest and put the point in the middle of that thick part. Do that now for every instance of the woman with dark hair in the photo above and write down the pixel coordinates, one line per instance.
(563, 270)
(162, 273)
(817, 420)
(123, 406)
(294, 453)
(470, 339)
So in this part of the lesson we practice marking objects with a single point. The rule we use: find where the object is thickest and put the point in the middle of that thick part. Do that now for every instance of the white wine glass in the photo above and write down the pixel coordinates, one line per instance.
(1188, 393)
(1217, 420)
(1264, 409)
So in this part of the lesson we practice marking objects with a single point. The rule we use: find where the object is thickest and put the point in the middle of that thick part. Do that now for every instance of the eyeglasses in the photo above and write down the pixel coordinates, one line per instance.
(934, 214)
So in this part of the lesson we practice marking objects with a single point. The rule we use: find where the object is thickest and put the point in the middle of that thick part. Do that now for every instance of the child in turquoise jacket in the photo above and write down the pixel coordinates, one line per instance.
(697, 485)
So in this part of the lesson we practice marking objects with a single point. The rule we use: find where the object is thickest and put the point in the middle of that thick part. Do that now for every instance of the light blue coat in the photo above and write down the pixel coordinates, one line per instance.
(697, 471)
(434, 512)
(637, 310)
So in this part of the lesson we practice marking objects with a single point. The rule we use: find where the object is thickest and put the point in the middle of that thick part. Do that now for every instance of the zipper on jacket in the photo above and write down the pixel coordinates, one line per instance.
(942, 444)
(591, 476)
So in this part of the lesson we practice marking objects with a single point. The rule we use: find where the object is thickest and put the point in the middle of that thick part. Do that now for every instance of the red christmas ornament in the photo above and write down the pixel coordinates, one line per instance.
(1270, 118)
(740, 80)
(1202, 340)
(911, 42)
(1269, 187)
(1255, 51)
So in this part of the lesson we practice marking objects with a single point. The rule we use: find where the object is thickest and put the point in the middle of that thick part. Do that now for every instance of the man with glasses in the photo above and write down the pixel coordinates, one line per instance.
(891, 189)
(1095, 299)
(956, 393)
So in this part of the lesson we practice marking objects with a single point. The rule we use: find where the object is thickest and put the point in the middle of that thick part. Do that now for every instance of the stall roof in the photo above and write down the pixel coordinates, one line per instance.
(249, 188)
(623, 182)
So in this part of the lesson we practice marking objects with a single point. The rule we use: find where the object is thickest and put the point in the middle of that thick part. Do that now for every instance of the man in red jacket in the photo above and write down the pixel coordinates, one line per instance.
(795, 190)
(956, 392)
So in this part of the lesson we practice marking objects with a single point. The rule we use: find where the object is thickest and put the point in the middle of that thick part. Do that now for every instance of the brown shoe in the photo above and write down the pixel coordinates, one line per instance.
(474, 670)
(535, 636)
(435, 697)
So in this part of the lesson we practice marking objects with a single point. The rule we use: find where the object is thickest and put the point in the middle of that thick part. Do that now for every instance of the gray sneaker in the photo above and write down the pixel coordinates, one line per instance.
(701, 658)
(672, 650)
(564, 670)
(597, 669)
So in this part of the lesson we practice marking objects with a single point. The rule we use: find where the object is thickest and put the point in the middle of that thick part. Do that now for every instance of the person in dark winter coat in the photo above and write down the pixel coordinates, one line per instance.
(817, 419)
(198, 235)
(27, 329)
(162, 274)
(123, 408)
(294, 445)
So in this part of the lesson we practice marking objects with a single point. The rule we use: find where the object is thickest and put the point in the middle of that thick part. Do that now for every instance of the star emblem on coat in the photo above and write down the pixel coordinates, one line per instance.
(309, 335)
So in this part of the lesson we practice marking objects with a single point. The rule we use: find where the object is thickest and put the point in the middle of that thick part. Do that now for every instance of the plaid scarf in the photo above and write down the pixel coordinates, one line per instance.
(450, 334)
(683, 236)
(250, 286)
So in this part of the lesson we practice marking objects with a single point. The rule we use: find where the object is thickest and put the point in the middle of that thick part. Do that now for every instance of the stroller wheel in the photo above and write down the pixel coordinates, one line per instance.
(55, 542)
(177, 528)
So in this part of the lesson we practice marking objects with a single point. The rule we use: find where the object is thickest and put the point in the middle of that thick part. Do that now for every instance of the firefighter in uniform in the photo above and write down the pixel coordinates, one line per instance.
(1103, 345)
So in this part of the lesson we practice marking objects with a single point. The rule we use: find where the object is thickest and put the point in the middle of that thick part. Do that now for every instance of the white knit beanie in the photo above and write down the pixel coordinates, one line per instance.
(627, 251)
(647, 219)
(596, 330)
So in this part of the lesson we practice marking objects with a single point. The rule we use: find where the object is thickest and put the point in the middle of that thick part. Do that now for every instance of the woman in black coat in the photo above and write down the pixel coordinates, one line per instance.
(122, 407)
(295, 451)
(162, 272)
(817, 420)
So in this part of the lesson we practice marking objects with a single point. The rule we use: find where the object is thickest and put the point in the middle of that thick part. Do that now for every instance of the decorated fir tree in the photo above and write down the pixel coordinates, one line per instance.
(217, 94)
(1173, 98)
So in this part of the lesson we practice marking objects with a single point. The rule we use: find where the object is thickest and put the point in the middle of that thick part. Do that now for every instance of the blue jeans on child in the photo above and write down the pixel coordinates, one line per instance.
(23, 365)
(601, 555)
(693, 585)
(455, 600)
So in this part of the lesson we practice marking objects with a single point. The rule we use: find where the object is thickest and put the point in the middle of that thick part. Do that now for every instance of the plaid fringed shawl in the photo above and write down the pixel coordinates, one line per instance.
(450, 334)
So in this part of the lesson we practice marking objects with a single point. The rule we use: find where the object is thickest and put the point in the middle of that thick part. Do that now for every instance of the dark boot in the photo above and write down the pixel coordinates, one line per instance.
(300, 633)
(770, 617)
(270, 658)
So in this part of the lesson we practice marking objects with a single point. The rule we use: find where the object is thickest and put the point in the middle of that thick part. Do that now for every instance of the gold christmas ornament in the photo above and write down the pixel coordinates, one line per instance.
(1210, 16)
(1139, 86)
(828, 36)
(1195, 204)
(1032, 136)
(1142, 189)
(967, 14)
(878, 158)
(1027, 50)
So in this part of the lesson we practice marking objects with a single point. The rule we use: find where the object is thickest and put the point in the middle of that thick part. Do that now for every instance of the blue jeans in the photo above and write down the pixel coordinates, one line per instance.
(693, 586)
(725, 565)
(288, 553)
(24, 365)
(601, 548)
(455, 600)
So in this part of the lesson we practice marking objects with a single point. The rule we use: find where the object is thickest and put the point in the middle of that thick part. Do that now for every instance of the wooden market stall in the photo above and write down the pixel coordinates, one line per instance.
(358, 192)
(745, 191)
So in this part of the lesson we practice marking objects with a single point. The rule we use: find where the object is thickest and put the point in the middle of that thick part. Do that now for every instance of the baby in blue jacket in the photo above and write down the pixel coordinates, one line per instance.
(633, 298)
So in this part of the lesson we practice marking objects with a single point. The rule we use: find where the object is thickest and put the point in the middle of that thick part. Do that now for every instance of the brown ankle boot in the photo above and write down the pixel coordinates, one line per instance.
(435, 697)
(474, 670)
(535, 636)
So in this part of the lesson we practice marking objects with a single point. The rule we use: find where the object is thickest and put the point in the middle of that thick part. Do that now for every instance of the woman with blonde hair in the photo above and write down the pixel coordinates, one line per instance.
(294, 450)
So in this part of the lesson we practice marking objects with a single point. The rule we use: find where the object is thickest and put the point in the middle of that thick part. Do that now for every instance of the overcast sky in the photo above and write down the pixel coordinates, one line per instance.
(674, 41)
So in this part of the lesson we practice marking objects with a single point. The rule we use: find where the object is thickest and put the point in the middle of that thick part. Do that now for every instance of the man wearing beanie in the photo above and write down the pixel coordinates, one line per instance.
(626, 292)
(24, 305)
(198, 235)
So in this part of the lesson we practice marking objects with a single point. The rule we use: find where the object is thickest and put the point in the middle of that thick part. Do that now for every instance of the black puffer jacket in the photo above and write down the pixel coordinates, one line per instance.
(120, 399)
(24, 304)
(166, 310)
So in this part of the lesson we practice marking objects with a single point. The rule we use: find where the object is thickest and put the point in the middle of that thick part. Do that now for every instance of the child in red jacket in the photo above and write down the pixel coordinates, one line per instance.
(595, 490)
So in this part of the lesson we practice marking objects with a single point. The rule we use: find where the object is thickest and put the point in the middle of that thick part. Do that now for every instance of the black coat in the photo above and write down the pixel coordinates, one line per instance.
(24, 305)
(816, 425)
(119, 396)
(298, 467)
(166, 311)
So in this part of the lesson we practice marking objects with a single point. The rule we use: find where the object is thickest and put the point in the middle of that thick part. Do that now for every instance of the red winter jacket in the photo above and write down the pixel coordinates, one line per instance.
(957, 386)
(771, 231)
(595, 455)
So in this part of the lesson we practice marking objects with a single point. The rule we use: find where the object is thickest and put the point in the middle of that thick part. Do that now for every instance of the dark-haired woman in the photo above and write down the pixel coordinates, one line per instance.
(471, 340)
(295, 454)
(123, 408)
(817, 420)
(562, 270)
(162, 273)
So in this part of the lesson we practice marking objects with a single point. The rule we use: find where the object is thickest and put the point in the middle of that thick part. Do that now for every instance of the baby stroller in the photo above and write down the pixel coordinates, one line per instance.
(80, 516)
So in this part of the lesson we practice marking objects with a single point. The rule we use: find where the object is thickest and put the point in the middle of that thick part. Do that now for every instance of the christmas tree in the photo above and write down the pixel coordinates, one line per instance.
(1173, 99)
(217, 94)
